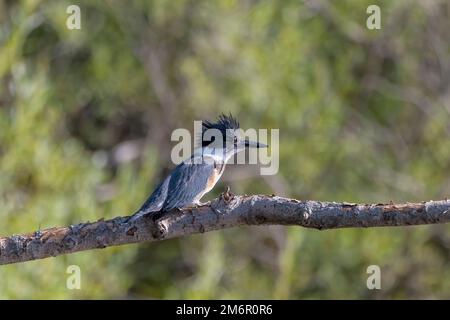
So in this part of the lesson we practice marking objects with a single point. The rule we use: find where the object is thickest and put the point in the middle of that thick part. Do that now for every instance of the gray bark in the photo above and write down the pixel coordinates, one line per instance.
(225, 212)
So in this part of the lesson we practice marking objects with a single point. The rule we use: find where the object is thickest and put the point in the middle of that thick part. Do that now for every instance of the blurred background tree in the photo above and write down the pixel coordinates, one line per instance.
(86, 117)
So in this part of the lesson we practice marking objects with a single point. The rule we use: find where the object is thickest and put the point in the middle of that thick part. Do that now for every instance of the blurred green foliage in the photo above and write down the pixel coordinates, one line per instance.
(86, 117)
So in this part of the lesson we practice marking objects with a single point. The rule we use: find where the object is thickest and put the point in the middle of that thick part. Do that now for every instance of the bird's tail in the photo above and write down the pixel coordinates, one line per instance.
(154, 203)
(152, 206)
(140, 213)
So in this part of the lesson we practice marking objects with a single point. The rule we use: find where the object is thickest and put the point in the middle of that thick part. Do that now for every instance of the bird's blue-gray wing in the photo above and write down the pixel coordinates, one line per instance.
(156, 200)
(187, 182)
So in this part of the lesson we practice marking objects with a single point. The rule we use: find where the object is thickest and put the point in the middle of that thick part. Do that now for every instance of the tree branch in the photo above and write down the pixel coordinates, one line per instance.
(225, 212)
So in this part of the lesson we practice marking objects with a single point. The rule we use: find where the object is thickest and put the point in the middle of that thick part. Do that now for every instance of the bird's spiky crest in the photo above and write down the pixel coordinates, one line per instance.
(224, 123)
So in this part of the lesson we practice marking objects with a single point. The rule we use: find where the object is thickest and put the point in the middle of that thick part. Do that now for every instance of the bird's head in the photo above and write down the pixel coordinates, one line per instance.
(224, 137)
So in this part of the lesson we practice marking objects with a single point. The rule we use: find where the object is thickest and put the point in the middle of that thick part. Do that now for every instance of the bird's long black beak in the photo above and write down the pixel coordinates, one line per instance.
(253, 144)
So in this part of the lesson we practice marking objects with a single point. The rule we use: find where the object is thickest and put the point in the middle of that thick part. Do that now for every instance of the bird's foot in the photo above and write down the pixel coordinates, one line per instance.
(192, 206)
(209, 204)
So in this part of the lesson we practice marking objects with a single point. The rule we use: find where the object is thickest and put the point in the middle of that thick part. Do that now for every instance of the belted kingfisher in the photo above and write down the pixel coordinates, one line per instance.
(196, 176)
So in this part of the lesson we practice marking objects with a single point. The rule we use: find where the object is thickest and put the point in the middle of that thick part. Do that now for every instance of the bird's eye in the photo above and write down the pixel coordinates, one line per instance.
(235, 140)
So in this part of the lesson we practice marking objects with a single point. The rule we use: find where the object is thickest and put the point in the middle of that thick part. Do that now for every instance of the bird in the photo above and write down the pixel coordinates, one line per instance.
(189, 181)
